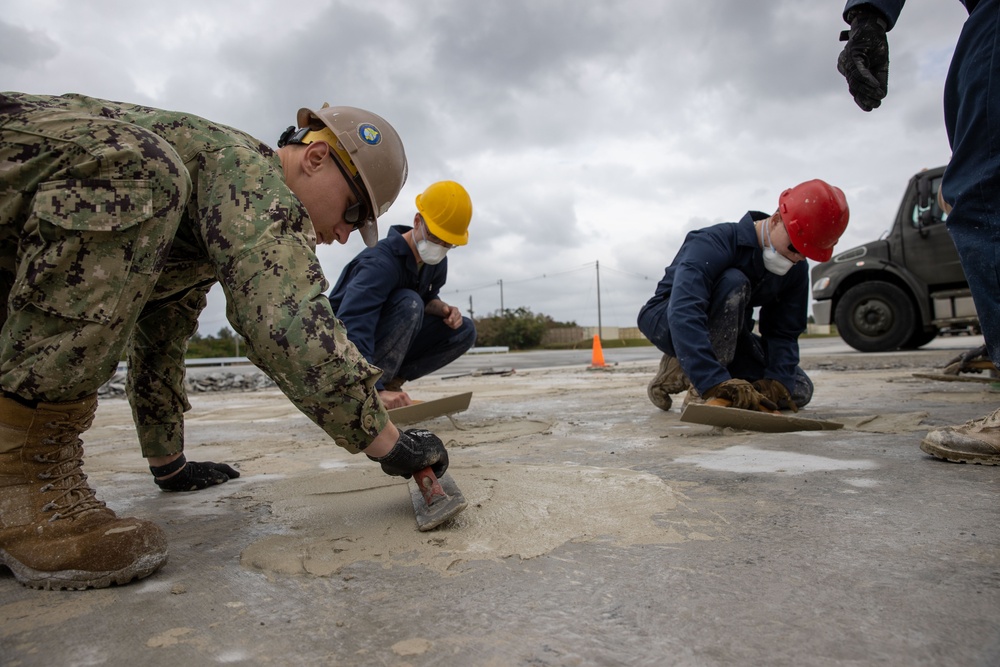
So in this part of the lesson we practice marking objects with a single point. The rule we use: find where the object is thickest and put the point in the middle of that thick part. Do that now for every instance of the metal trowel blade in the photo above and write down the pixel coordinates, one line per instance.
(442, 508)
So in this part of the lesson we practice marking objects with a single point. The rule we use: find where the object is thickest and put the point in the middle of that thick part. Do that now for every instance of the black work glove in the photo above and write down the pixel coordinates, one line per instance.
(415, 450)
(741, 394)
(864, 62)
(194, 476)
(777, 393)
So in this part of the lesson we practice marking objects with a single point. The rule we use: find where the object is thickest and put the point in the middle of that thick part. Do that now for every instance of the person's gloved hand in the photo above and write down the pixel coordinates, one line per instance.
(777, 393)
(971, 361)
(193, 475)
(864, 62)
(741, 394)
(415, 450)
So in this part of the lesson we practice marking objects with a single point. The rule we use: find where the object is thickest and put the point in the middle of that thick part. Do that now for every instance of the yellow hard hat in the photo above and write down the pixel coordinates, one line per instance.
(446, 208)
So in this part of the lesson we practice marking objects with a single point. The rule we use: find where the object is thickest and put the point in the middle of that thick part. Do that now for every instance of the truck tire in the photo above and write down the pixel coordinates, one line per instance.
(875, 317)
(920, 338)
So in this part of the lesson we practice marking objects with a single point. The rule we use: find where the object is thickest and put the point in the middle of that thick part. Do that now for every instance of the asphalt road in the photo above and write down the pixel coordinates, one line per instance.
(810, 349)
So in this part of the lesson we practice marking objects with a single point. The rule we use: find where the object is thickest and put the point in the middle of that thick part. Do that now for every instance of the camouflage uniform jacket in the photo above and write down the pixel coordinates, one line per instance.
(241, 227)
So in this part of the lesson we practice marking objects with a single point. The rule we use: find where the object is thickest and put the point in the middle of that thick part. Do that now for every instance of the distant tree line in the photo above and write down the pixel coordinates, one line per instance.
(518, 329)
(223, 344)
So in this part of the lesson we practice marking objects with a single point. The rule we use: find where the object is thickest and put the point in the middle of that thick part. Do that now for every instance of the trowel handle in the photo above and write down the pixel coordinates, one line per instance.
(429, 486)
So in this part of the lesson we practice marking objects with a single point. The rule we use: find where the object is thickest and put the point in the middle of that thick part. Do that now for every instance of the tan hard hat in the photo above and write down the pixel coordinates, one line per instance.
(370, 149)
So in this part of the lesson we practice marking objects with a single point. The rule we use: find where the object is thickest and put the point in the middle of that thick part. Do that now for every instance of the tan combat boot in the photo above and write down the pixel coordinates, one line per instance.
(669, 379)
(54, 533)
(692, 396)
(977, 441)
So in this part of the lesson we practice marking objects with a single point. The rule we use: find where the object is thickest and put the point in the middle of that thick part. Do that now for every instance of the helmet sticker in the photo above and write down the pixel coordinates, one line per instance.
(369, 134)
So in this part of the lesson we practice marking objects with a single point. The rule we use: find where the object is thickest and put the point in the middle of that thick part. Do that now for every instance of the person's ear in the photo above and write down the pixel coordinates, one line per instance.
(314, 156)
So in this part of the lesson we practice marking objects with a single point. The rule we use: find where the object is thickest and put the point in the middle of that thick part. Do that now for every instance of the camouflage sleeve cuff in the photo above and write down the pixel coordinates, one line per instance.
(161, 439)
(352, 416)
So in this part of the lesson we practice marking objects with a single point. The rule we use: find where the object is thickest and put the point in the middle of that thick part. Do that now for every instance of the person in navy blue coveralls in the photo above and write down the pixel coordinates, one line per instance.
(971, 184)
(387, 296)
(701, 316)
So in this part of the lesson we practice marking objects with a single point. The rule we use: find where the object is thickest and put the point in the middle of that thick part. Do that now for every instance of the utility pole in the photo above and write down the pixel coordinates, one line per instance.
(500, 282)
(471, 314)
(600, 331)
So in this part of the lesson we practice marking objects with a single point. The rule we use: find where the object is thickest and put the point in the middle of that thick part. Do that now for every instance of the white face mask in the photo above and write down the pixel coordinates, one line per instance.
(430, 253)
(774, 261)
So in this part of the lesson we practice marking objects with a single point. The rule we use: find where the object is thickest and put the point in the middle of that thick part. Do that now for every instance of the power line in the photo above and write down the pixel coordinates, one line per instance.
(545, 276)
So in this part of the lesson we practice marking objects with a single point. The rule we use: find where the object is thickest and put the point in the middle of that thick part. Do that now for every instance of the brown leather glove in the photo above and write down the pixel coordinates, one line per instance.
(776, 393)
(741, 394)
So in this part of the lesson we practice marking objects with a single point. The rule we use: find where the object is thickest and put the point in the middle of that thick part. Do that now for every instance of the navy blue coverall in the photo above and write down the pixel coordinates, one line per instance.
(380, 297)
(971, 183)
(702, 311)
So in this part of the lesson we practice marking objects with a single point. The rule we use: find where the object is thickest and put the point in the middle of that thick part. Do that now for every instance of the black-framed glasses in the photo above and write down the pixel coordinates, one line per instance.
(357, 213)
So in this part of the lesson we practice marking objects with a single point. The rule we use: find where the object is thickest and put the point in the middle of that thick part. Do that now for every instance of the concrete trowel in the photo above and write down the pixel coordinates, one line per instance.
(717, 412)
(435, 500)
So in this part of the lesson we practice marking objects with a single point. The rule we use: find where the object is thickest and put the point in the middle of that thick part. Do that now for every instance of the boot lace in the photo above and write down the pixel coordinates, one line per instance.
(68, 481)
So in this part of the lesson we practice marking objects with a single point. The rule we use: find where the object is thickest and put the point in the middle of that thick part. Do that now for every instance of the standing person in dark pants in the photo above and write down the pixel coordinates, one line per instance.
(387, 297)
(701, 316)
(971, 185)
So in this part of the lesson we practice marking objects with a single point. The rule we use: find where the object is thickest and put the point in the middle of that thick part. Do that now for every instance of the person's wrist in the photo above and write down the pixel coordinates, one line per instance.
(383, 442)
(867, 12)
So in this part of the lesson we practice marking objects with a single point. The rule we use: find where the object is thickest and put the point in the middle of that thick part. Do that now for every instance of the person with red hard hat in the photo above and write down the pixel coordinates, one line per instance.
(701, 315)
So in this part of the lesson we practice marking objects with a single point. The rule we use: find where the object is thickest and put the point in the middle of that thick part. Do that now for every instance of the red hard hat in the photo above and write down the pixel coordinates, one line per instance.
(815, 214)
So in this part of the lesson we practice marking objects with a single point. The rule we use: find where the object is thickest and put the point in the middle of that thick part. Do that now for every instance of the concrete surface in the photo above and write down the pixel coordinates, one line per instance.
(726, 548)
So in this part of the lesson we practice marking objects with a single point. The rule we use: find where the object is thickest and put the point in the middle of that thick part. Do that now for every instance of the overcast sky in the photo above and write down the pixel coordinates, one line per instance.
(586, 131)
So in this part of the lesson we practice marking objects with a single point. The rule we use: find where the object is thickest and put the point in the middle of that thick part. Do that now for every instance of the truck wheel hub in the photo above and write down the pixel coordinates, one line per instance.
(873, 318)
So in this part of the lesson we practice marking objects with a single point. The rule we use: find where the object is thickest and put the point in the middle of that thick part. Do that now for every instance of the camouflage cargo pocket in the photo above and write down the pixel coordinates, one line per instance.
(81, 244)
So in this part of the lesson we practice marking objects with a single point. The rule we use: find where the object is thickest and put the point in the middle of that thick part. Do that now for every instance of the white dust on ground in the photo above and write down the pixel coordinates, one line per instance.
(330, 509)
(339, 518)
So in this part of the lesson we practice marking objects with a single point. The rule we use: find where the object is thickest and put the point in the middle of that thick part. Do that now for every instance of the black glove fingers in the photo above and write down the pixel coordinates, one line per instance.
(195, 476)
(415, 450)
(864, 62)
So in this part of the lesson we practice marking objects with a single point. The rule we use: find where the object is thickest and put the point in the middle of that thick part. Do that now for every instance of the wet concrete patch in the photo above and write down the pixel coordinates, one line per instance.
(515, 511)
(744, 459)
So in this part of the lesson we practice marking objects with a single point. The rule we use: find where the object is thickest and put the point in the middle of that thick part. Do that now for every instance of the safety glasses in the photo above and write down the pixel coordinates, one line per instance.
(357, 213)
(433, 239)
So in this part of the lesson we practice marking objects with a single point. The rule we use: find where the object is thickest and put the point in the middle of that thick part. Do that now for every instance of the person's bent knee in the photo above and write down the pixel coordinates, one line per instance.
(407, 305)
(652, 323)
(466, 334)
(802, 392)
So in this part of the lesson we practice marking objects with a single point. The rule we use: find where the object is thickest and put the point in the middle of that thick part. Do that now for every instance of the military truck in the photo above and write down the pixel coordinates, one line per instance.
(900, 291)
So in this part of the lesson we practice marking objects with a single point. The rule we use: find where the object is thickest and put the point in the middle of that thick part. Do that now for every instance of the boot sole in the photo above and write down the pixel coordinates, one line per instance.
(79, 580)
(937, 451)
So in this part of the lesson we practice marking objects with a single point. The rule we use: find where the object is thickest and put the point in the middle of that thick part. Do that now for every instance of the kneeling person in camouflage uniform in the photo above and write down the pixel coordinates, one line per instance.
(116, 220)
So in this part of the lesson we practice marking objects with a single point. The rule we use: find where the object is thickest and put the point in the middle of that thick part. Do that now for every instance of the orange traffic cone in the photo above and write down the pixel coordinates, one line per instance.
(597, 355)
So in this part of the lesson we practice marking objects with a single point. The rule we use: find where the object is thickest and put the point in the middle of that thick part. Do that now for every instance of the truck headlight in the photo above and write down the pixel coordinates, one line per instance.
(821, 284)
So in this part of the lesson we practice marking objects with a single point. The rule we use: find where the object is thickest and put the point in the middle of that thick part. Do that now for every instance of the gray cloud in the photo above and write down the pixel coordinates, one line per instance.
(20, 47)
(586, 132)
